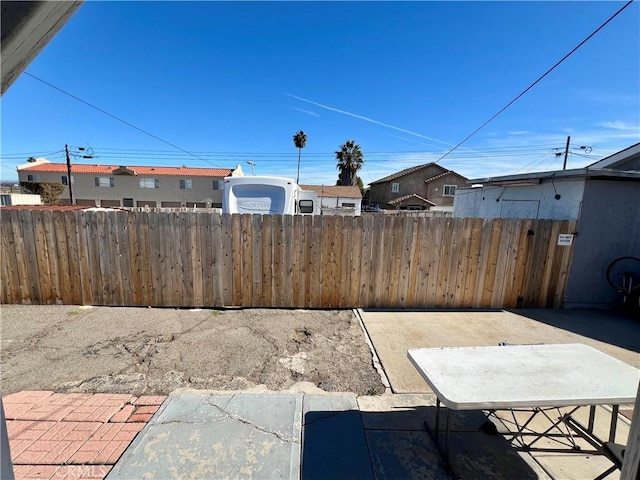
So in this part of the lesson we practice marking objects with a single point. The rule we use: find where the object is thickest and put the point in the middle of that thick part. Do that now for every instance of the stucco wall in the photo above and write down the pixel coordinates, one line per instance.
(608, 228)
(522, 201)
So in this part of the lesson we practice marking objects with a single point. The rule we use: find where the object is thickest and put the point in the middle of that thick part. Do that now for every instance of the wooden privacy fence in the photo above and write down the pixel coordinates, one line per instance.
(197, 259)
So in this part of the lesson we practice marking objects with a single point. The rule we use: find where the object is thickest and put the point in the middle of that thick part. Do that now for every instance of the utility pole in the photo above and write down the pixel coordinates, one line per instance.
(66, 149)
(566, 154)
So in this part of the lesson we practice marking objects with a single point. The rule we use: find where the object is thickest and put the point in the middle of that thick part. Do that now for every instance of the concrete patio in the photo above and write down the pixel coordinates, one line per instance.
(307, 433)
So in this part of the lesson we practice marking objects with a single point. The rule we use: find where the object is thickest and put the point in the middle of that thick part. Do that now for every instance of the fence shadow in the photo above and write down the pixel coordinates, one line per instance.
(617, 328)
(395, 444)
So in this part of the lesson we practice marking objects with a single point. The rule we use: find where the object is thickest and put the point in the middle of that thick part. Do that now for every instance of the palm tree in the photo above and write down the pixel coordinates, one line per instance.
(350, 160)
(300, 141)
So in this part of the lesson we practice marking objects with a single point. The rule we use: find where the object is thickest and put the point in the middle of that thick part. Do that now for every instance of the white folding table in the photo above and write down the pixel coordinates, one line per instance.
(525, 376)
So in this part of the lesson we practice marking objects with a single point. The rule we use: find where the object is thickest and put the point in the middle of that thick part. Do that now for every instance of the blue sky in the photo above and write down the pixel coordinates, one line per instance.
(232, 83)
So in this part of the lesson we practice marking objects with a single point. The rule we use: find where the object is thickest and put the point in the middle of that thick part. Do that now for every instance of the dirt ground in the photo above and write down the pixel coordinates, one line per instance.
(155, 351)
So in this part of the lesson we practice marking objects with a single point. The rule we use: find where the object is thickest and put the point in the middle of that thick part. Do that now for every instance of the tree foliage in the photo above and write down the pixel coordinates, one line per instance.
(300, 141)
(350, 160)
(50, 192)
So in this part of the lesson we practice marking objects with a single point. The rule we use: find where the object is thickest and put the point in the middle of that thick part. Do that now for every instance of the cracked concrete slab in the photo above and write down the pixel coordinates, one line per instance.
(203, 435)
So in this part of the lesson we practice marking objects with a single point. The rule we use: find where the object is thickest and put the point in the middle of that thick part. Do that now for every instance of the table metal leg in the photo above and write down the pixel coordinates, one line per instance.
(438, 420)
(614, 423)
(446, 436)
(592, 417)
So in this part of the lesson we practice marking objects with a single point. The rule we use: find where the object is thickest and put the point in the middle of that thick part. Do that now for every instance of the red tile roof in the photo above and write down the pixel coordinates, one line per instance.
(140, 170)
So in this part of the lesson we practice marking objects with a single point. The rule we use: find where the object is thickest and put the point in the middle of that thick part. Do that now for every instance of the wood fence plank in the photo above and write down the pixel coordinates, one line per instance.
(128, 261)
(226, 238)
(76, 279)
(236, 232)
(565, 265)
(366, 243)
(83, 235)
(425, 247)
(197, 296)
(30, 252)
(207, 246)
(148, 235)
(9, 281)
(221, 259)
(278, 260)
(552, 266)
(256, 261)
(538, 265)
(483, 260)
(181, 282)
(505, 252)
(115, 274)
(12, 283)
(267, 273)
(22, 275)
(159, 229)
(406, 265)
(343, 260)
(135, 255)
(246, 241)
(328, 255)
(287, 260)
(471, 274)
(414, 259)
(308, 259)
(355, 247)
(316, 272)
(378, 260)
(297, 279)
(492, 260)
(461, 262)
(42, 257)
(62, 254)
(395, 259)
(513, 297)
(435, 256)
(52, 256)
(443, 270)
(455, 258)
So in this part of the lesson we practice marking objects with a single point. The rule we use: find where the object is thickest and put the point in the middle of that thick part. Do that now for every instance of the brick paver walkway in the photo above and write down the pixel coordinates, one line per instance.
(77, 435)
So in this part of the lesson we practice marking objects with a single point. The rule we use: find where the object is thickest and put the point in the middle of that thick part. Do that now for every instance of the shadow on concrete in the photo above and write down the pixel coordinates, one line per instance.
(614, 327)
(395, 444)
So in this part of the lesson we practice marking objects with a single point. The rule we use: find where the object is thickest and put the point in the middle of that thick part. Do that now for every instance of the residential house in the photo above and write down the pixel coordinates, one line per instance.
(604, 199)
(133, 186)
(337, 199)
(425, 187)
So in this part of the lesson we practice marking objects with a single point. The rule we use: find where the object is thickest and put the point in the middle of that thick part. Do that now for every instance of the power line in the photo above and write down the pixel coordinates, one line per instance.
(538, 80)
(117, 118)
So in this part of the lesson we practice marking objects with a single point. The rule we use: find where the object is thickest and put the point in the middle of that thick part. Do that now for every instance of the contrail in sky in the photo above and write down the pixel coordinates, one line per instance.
(308, 112)
(367, 119)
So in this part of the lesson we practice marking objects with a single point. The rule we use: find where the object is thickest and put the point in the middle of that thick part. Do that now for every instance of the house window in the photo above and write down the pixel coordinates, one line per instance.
(186, 184)
(33, 178)
(149, 183)
(127, 202)
(348, 205)
(449, 190)
(105, 182)
(395, 187)
(65, 180)
(218, 185)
